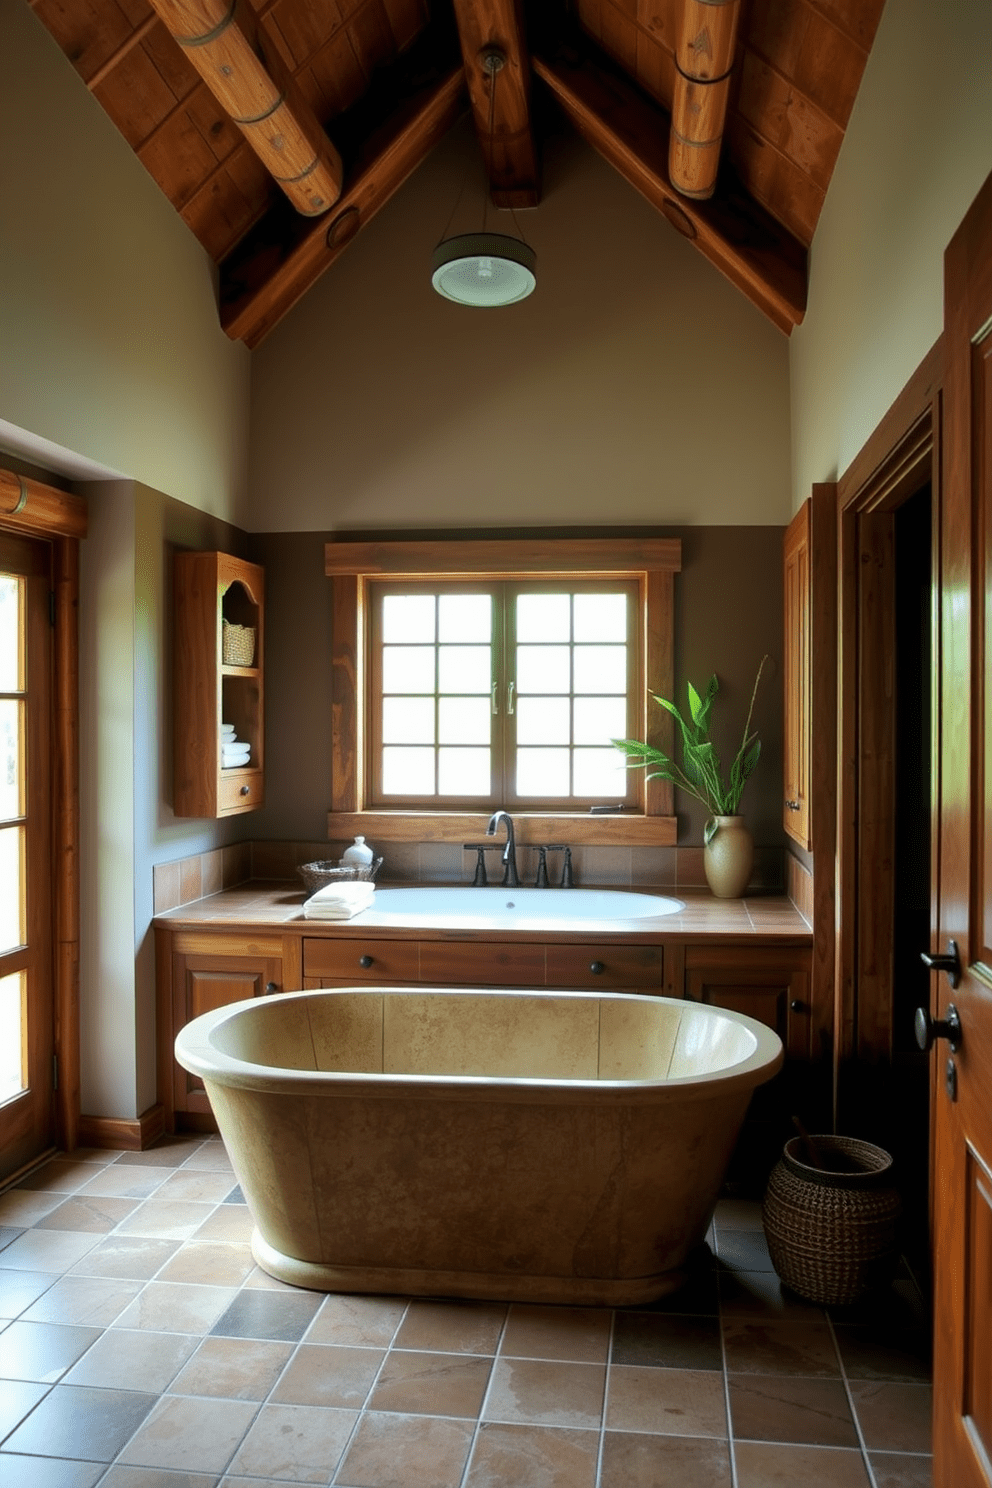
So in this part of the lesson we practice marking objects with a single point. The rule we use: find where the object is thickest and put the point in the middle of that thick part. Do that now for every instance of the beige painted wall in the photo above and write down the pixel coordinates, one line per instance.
(111, 346)
(634, 386)
(918, 148)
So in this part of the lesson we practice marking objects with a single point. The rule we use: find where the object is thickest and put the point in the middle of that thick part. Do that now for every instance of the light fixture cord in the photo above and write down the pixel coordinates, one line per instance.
(493, 71)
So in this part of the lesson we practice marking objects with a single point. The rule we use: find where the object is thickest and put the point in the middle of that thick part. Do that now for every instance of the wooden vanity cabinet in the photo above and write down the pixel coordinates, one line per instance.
(197, 972)
(770, 984)
(446, 963)
(208, 589)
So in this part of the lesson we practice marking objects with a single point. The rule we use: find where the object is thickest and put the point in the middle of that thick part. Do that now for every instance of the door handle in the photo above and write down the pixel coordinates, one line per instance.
(948, 961)
(927, 1029)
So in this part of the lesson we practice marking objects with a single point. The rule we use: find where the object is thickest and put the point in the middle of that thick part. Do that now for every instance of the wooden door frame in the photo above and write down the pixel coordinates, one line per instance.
(898, 459)
(32, 509)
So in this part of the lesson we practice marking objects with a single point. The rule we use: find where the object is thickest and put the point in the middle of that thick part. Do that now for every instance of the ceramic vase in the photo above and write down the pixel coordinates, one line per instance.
(728, 856)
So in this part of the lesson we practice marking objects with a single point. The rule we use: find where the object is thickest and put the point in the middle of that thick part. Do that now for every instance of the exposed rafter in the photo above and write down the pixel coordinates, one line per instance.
(704, 60)
(738, 236)
(222, 41)
(510, 154)
(279, 261)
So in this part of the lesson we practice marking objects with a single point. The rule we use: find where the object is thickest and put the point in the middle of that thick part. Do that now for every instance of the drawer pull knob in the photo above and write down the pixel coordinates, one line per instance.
(797, 1005)
(272, 986)
(597, 968)
(246, 790)
(365, 962)
(793, 806)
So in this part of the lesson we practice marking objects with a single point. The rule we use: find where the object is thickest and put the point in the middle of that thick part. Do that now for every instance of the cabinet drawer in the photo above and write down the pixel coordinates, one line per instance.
(606, 965)
(240, 790)
(362, 960)
(478, 965)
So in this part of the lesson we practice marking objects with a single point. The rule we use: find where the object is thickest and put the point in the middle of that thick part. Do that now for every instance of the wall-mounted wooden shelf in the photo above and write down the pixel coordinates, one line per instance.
(209, 589)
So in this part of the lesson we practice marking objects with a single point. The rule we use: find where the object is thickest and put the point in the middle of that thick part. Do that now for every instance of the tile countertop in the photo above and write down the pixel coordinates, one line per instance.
(266, 904)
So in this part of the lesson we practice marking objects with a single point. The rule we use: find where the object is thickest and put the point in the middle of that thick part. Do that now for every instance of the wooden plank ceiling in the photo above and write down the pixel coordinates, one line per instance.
(365, 88)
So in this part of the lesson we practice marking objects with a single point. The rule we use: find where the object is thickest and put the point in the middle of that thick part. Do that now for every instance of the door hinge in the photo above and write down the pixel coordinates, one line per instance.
(55, 1072)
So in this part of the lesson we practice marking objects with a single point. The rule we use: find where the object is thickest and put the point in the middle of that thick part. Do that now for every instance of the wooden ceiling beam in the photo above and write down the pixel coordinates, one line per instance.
(736, 234)
(704, 60)
(501, 100)
(266, 275)
(221, 40)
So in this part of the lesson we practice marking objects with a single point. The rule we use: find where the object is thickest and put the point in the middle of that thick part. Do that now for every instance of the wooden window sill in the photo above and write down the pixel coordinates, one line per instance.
(625, 828)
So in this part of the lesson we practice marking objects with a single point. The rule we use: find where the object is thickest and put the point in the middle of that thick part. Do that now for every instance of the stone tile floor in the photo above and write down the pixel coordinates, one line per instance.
(140, 1347)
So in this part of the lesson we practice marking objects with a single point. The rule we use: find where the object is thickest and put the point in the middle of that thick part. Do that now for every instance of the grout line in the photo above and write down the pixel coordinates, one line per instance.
(463, 1480)
(606, 1396)
(850, 1404)
(731, 1442)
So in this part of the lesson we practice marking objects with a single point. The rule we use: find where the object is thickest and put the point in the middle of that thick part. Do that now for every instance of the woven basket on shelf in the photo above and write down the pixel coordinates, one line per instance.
(329, 870)
(237, 644)
(831, 1231)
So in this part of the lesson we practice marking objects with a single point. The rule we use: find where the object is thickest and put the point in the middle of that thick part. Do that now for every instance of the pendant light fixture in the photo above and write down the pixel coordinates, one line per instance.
(485, 268)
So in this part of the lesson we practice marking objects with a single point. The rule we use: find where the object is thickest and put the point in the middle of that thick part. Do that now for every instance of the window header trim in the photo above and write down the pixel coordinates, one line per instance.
(495, 557)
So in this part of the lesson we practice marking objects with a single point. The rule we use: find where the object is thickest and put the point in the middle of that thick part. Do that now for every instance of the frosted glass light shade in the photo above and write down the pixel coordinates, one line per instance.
(484, 269)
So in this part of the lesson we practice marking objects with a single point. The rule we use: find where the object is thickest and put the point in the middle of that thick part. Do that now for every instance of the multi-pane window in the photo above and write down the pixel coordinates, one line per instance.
(501, 692)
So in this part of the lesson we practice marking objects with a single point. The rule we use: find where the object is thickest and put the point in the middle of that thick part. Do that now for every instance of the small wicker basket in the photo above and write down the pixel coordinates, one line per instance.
(237, 644)
(329, 870)
(831, 1231)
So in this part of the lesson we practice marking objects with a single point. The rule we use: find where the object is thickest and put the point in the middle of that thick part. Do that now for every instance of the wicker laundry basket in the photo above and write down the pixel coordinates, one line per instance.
(831, 1230)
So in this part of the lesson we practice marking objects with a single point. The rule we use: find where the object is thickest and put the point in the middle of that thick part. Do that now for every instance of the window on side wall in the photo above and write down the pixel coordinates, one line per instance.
(470, 675)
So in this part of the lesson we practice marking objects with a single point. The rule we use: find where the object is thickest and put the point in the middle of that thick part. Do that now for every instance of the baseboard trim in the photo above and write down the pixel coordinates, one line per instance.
(131, 1136)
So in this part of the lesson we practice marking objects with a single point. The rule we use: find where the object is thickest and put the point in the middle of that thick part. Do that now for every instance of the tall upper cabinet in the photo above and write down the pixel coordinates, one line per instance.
(795, 807)
(810, 672)
(218, 670)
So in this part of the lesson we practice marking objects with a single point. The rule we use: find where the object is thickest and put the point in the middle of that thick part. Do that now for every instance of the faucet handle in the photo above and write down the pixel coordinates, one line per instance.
(567, 881)
(541, 881)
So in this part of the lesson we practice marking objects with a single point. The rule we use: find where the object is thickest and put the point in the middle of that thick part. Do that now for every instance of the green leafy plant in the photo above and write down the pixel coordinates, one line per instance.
(700, 774)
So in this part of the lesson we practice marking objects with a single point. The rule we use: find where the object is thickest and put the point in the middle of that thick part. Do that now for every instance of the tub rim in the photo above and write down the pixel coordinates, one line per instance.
(196, 1052)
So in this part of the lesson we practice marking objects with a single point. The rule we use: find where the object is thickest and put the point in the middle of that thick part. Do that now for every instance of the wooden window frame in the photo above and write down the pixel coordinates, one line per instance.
(352, 565)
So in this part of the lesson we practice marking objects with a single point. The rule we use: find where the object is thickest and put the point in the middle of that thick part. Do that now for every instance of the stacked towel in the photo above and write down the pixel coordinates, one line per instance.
(234, 752)
(340, 901)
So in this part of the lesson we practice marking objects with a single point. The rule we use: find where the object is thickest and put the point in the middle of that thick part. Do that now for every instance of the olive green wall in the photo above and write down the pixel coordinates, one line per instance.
(728, 614)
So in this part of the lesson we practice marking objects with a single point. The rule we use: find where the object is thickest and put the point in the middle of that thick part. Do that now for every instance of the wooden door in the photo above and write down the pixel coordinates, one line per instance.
(27, 1081)
(962, 1079)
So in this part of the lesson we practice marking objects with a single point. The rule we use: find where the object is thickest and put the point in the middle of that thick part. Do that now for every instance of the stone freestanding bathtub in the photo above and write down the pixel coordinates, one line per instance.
(542, 1146)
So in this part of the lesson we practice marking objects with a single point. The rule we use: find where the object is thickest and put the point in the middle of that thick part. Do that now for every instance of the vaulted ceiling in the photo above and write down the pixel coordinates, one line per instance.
(278, 128)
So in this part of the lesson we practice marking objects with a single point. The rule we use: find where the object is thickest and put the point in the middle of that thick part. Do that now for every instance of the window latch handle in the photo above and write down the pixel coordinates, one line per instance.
(495, 700)
(509, 697)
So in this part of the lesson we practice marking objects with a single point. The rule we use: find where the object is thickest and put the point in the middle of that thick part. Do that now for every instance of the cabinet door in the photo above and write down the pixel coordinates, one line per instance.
(203, 982)
(796, 669)
(770, 985)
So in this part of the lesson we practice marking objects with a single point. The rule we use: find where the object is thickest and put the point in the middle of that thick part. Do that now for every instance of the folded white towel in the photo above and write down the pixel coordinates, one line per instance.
(227, 729)
(235, 749)
(230, 759)
(339, 901)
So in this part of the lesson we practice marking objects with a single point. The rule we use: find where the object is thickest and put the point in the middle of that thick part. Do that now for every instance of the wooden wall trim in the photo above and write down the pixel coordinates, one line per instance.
(898, 458)
(132, 1136)
(38, 510)
(901, 442)
(65, 844)
(449, 558)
